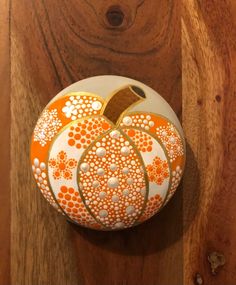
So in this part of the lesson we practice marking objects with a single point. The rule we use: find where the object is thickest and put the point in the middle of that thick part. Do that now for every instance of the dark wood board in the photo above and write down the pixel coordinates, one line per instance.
(52, 44)
(209, 118)
(5, 138)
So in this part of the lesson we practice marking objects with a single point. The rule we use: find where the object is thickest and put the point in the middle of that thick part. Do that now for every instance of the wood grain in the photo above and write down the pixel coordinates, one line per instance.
(209, 105)
(55, 43)
(5, 140)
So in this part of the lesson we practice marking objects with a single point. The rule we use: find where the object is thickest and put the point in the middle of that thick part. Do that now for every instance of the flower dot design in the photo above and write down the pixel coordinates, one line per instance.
(142, 140)
(152, 207)
(77, 107)
(39, 171)
(62, 166)
(158, 170)
(83, 133)
(114, 187)
(176, 177)
(103, 162)
(171, 140)
(47, 126)
(71, 202)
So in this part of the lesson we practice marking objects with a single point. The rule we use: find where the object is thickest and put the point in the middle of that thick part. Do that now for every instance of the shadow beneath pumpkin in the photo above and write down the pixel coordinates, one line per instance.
(159, 232)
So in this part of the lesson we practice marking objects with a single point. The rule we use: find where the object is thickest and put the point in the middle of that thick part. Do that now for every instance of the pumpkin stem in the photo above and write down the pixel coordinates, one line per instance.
(121, 100)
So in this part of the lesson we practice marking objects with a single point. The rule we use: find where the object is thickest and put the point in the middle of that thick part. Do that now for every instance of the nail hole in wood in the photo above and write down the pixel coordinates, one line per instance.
(115, 16)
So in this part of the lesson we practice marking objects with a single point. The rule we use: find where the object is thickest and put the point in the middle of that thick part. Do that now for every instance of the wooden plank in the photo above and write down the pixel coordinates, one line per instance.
(5, 149)
(55, 43)
(209, 104)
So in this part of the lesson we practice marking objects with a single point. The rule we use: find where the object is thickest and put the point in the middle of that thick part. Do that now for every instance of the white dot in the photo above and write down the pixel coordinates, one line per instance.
(130, 209)
(102, 195)
(42, 165)
(96, 184)
(115, 198)
(115, 134)
(103, 213)
(84, 167)
(151, 123)
(148, 117)
(101, 151)
(36, 162)
(164, 133)
(119, 225)
(125, 151)
(127, 121)
(96, 105)
(113, 182)
(38, 171)
(132, 162)
(126, 192)
(130, 181)
(100, 172)
(125, 170)
(172, 139)
(113, 167)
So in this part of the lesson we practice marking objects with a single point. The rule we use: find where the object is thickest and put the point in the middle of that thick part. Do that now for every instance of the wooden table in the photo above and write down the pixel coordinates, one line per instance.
(187, 52)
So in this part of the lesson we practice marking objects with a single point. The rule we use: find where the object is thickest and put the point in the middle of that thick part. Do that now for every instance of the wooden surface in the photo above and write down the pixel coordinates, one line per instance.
(55, 43)
(209, 118)
(4, 149)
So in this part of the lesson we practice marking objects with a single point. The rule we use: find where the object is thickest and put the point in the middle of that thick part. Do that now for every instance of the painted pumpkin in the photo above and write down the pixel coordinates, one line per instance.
(103, 165)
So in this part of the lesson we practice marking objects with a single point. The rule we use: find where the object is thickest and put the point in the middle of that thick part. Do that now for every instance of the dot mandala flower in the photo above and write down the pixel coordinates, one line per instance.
(62, 166)
(46, 127)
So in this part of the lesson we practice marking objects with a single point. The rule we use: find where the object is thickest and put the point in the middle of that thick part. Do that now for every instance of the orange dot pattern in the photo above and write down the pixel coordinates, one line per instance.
(158, 170)
(164, 130)
(152, 207)
(171, 140)
(39, 171)
(142, 140)
(176, 177)
(83, 133)
(71, 202)
(114, 187)
(80, 106)
(62, 166)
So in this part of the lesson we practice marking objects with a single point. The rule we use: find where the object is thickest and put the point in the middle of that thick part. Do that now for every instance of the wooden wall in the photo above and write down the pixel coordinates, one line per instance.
(184, 50)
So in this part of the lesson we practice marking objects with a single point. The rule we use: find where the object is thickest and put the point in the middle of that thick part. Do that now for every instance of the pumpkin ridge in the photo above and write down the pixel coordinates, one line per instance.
(140, 163)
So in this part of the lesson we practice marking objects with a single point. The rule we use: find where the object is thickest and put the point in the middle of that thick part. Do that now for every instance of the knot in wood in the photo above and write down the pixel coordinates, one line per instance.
(115, 16)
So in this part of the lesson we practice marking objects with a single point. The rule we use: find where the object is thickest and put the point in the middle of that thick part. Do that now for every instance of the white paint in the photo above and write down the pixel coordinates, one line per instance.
(125, 151)
(113, 182)
(101, 151)
(84, 167)
(127, 121)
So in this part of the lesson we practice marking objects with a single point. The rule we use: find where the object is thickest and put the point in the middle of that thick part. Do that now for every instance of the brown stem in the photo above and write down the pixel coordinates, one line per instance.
(122, 100)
